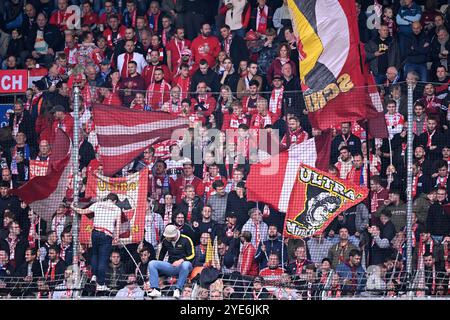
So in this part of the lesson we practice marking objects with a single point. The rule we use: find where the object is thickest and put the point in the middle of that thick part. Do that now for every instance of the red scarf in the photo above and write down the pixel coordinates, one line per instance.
(156, 89)
(299, 267)
(184, 84)
(441, 181)
(126, 59)
(275, 102)
(12, 247)
(227, 44)
(430, 138)
(32, 233)
(262, 14)
(51, 270)
(447, 263)
(414, 185)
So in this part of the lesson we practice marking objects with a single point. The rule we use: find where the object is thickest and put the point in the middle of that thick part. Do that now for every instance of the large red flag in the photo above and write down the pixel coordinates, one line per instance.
(45, 193)
(271, 181)
(310, 197)
(331, 67)
(124, 133)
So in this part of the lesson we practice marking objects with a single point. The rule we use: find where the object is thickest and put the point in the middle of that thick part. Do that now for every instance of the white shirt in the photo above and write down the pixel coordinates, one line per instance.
(176, 164)
(137, 57)
(105, 214)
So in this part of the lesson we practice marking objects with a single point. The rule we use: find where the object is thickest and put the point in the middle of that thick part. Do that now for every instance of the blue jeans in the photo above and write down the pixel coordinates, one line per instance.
(421, 69)
(101, 250)
(155, 268)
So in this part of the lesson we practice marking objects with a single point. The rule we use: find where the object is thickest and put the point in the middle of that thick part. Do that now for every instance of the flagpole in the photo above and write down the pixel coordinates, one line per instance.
(367, 173)
(409, 202)
(75, 165)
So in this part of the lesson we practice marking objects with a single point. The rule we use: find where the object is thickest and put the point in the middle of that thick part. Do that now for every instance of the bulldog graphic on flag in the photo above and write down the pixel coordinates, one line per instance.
(132, 193)
(316, 199)
(331, 71)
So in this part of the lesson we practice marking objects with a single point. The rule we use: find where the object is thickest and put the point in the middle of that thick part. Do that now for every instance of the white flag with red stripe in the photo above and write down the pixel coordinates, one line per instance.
(45, 193)
(123, 133)
(272, 180)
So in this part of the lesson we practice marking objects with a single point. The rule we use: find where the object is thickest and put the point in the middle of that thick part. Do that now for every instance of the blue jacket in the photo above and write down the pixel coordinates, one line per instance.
(406, 16)
(272, 246)
(345, 272)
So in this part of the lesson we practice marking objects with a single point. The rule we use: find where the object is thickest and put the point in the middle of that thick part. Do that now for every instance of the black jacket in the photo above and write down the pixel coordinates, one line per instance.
(196, 210)
(393, 53)
(252, 24)
(183, 249)
(438, 222)
(25, 126)
(416, 49)
(19, 254)
(210, 78)
(238, 50)
(13, 204)
(438, 140)
(52, 36)
(239, 206)
(87, 154)
(36, 269)
(353, 143)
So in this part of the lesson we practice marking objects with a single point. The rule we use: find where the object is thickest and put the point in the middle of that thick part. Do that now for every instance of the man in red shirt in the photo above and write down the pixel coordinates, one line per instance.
(158, 92)
(89, 16)
(177, 186)
(115, 31)
(174, 49)
(59, 17)
(273, 272)
(206, 46)
(203, 101)
(183, 80)
(235, 119)
(63, 121)
(153, 64)
(264, 117)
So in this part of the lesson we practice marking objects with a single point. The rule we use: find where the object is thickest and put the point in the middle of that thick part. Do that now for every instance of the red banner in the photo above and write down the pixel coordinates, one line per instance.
(13, 81)
(316, 199)
(132, 192)
(38, 168)
(331, 71)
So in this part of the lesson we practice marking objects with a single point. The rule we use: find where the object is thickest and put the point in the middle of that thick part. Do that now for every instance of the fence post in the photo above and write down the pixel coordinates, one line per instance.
(409, 199)
(75, 165)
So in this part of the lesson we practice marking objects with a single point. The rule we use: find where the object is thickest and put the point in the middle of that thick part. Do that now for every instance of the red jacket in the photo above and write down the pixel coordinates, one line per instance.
(275, 69)
(296, 137)
(231, 121)
(247, 263)
(259, 122)
(66, 125)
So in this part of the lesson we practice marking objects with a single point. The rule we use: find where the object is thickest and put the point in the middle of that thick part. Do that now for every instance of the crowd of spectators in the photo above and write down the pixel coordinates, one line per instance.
(226, 66)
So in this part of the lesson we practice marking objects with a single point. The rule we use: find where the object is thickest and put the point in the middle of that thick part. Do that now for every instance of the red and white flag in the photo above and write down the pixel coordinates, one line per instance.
(278, 173)
(38, 168)
(310, 197)
(132, 193)
(44, 194)
(123, 133)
